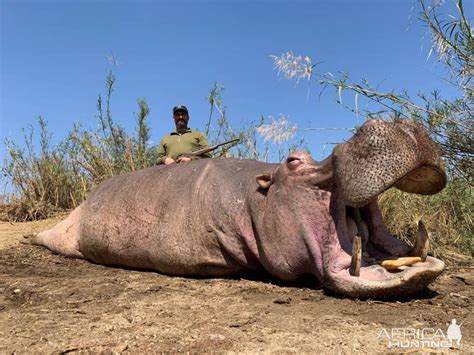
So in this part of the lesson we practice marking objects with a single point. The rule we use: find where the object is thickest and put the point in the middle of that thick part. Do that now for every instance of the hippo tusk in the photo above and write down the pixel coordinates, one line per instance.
(422, 243)
(354, 270)
(396, 263)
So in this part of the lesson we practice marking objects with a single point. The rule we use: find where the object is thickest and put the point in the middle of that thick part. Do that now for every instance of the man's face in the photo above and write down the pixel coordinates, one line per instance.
(181, 119)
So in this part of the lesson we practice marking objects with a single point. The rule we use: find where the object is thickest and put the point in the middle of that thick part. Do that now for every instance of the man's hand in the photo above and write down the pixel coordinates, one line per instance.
(169, 161)
(183, 160)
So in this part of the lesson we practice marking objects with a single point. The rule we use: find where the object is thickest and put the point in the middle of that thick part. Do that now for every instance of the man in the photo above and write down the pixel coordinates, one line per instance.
(182, 141)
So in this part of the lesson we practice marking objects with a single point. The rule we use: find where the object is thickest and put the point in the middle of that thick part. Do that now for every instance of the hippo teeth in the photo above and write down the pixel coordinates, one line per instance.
(418, 253)
(422, 243)
(356, 259)
(397, 263)
(372, 253)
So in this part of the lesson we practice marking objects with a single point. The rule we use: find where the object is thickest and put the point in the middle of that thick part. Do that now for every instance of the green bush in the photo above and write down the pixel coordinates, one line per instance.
(59, 177)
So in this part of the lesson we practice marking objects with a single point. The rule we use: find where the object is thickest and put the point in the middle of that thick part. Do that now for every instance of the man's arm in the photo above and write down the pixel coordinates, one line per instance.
(161, 153)
(202, 142)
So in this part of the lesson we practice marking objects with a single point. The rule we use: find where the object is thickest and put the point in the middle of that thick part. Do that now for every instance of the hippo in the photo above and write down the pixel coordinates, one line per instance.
(296, 219)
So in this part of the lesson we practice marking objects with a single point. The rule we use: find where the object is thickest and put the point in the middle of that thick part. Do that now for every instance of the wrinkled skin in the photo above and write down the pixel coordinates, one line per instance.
(222, 217)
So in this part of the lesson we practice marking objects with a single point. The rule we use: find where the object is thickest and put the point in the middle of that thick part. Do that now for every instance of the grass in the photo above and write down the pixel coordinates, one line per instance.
(447, 215)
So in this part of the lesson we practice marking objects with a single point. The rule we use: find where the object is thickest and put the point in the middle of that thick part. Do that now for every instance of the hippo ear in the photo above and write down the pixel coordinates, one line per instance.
(265, 180)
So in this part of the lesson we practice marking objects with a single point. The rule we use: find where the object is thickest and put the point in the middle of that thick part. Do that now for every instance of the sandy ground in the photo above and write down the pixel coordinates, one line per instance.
(52, 304)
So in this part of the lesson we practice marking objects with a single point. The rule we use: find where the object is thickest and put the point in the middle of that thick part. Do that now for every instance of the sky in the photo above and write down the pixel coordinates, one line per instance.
(55, 56)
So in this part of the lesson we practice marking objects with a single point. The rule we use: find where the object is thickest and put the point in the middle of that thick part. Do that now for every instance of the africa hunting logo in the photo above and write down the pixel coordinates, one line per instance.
(423, 338)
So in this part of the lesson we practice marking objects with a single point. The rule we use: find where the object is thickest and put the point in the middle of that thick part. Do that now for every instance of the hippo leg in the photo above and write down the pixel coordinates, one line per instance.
(63, 238)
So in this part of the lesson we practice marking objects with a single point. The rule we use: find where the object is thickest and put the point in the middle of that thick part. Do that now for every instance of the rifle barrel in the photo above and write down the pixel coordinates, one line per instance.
(209, 149)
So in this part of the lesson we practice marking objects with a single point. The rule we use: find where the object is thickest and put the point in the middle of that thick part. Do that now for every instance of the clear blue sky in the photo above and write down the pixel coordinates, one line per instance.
(54, 59)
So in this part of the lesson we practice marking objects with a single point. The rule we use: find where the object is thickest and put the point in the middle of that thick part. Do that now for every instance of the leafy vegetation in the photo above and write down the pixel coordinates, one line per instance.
(447, 215)
(59, 177)
(256, 137)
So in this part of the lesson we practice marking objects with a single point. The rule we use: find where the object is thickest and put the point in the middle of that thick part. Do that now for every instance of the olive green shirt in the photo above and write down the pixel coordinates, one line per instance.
(175, 144)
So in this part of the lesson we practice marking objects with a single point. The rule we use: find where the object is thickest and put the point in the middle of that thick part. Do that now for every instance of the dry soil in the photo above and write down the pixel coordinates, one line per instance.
(53, 304)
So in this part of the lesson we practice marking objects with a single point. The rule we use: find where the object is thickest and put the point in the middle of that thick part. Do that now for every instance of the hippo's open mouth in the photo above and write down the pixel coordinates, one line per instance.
(370, 261)
(365, 260)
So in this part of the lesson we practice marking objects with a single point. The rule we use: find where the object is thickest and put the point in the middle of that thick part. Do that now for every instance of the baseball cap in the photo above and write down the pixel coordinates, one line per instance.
(180, 108)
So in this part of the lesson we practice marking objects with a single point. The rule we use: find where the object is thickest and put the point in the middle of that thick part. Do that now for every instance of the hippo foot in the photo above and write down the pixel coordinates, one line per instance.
(28, 238)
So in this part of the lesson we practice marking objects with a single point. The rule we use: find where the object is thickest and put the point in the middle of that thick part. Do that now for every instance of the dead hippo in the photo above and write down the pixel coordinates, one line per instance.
(218, 217)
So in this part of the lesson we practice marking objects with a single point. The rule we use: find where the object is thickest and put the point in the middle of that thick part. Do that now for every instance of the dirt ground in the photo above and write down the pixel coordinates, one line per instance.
(53, 304)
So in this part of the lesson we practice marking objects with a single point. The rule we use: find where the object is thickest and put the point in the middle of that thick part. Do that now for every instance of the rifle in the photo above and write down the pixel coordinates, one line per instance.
(209, 149)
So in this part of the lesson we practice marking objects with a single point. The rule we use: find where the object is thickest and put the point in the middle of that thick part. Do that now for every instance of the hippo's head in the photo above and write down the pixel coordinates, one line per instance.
(333, 206)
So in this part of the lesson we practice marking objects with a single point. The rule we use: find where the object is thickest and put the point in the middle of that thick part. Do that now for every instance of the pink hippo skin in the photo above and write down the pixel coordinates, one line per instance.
(218, 217)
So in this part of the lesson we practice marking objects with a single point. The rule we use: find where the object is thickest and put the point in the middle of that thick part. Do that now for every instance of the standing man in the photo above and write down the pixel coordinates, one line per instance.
(182, 141)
